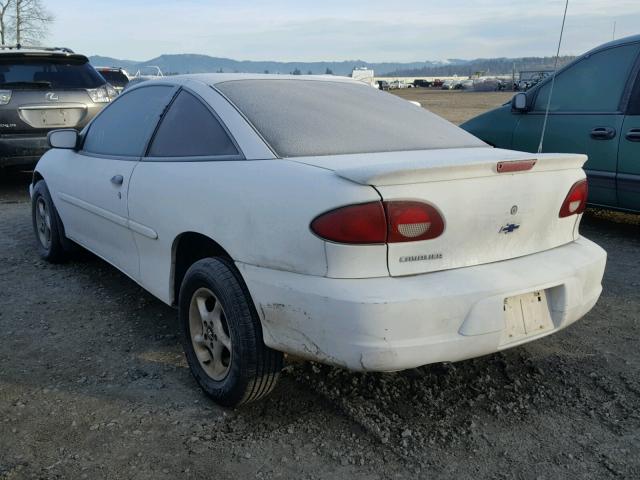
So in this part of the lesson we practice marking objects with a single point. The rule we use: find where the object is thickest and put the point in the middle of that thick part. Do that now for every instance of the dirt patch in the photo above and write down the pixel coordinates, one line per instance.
(457, 106)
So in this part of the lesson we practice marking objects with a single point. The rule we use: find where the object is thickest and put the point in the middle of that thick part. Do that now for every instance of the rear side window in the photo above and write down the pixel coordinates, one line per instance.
(189, 129)
(593, 84)
(124, 127)
(23, 73)
(311, 117)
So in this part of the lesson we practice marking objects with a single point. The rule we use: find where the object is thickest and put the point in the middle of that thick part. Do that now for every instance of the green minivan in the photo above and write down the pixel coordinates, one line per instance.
(594, 109)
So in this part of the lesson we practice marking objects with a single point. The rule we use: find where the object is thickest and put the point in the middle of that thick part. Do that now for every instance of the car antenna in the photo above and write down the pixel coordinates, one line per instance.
(553, 80)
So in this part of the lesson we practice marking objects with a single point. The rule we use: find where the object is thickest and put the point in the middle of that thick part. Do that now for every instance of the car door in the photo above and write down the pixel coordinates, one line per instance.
(94, 185)
(628, 179)
(585, 116)
(191, 146)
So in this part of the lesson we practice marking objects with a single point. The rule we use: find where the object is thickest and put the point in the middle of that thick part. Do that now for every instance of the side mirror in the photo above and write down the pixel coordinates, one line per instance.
(519, 102)
(417, 104)
(65, 138)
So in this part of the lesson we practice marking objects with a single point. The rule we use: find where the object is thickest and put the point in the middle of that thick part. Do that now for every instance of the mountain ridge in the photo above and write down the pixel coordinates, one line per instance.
(199, 63)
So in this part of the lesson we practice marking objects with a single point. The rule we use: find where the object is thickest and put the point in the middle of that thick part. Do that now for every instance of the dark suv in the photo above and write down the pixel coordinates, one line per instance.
(43, 89)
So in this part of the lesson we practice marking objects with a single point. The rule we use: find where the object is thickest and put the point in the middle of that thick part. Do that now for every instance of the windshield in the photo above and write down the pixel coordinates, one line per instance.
(47, 73)
(309, 117)
(115, 77)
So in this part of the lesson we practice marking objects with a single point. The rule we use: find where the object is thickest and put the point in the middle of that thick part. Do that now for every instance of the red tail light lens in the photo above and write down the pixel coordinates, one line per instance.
(412, 221)
(375, 222)
(364, 223)
(576, 200)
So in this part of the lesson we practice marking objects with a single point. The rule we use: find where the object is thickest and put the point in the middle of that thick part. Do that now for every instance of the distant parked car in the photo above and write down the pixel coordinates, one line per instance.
(595, 109)
(375, 242)
(463, 85)
(383, 84)
(396, 84)
(421, 83)
(117, 77)
(529, 79)
(42, 89)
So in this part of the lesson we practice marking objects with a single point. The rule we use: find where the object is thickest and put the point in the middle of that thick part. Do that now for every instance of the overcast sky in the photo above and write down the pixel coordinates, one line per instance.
(371, 30)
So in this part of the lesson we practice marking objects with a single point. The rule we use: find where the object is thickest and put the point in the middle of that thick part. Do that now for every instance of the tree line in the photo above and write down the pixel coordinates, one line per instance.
(23, 21)
(488, 66)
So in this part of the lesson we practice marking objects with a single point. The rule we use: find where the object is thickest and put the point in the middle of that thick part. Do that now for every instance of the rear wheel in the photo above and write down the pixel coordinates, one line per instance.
(46, 225)
(222, 335)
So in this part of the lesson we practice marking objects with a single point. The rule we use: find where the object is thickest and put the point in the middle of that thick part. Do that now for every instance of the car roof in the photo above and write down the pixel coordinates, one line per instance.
(213, 79)
(11, 51)
(615, 43)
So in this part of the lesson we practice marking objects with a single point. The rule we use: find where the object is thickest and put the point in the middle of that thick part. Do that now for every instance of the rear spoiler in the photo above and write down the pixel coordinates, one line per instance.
(452, 164)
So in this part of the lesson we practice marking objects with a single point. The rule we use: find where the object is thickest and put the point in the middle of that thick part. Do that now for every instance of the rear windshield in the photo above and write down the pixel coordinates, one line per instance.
(310, 117)
(51, 73)
(115, 77)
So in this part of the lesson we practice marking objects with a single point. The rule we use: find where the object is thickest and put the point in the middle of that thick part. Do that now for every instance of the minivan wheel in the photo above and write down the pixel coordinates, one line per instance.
(46, 225)
(222, 335)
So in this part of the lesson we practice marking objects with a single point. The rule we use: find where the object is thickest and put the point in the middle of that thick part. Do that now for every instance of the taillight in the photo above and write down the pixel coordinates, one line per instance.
(363, 223)
(576, 200)
(377, 222)
(5, 97)
(412, 221)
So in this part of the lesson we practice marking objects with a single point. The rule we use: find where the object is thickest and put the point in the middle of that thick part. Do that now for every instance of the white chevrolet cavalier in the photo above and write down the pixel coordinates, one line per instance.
(322, 218)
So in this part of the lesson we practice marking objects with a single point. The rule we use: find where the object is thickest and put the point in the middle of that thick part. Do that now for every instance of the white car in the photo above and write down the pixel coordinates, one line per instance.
(321, 218)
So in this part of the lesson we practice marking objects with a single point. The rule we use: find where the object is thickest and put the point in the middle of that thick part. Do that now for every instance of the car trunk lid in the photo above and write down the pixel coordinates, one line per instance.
(43, 110)
(489, 216)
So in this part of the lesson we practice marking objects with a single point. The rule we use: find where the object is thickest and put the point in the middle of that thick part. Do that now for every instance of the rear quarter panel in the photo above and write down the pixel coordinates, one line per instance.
(259, 211)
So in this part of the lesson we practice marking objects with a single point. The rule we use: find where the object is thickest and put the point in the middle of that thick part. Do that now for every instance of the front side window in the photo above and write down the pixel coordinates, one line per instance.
(593, 84)
(124, 127)
(189, 129)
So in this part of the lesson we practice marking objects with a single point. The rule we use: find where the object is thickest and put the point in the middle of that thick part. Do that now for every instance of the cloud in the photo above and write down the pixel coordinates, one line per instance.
(371, 30)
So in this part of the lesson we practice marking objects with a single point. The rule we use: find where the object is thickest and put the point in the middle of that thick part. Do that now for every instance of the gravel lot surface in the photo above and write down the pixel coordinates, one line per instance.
(93, 384)
(456, 106)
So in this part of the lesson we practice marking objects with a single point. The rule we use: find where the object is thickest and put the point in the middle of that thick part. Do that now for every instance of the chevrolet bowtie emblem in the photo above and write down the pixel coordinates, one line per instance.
(509, 228)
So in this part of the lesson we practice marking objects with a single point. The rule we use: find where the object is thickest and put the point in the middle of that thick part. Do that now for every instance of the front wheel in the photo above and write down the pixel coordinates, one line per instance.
(46, 225)
(222, 335)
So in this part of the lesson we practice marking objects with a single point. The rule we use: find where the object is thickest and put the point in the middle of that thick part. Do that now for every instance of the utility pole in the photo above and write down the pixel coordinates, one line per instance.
(614, 30)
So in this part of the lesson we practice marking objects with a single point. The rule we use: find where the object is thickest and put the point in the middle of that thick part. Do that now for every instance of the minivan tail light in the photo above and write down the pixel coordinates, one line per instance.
(378, 222)
(412, 221)
(363, 223)
(576, 200)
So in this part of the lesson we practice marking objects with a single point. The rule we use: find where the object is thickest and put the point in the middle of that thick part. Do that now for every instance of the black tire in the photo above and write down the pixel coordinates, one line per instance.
(53, 250)
(253, 368)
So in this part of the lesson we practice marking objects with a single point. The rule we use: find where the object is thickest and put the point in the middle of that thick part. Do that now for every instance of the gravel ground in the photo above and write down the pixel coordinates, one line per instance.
(93, 384)
(456, 106)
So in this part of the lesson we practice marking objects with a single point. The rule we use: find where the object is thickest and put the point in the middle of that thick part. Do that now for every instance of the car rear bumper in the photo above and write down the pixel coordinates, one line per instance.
(22, 150)
(386, 324)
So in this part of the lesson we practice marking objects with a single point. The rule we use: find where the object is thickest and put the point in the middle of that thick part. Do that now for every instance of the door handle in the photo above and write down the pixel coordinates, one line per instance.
(117, 180)
(603, 133)
(633, 135)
